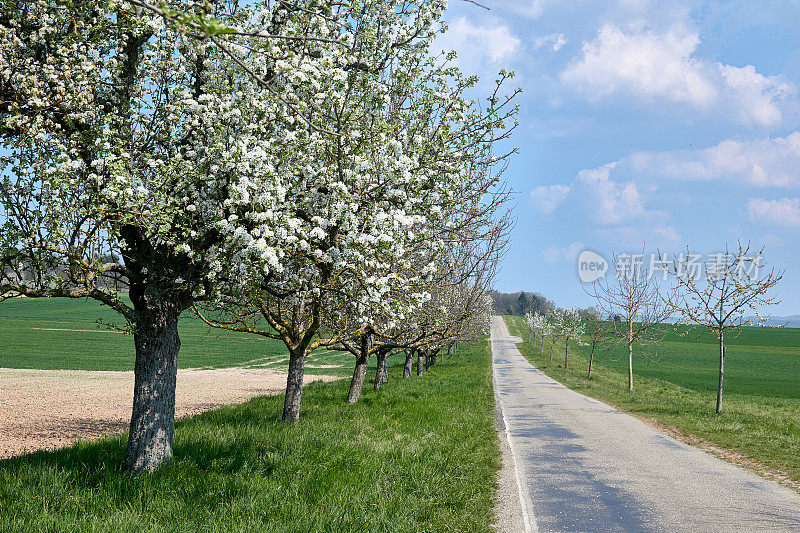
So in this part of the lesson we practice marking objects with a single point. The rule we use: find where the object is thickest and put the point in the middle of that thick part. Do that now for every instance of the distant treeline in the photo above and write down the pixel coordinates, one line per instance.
(519, 303)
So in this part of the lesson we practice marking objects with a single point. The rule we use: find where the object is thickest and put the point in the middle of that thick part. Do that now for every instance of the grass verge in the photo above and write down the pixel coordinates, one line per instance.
(759, 428)
(419, 455)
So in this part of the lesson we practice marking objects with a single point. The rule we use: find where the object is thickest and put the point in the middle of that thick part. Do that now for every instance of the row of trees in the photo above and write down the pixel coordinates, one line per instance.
(721, 295)
(302, 170)
(521, 303)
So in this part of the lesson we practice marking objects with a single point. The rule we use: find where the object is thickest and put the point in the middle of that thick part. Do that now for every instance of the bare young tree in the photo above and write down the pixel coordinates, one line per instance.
(734, 284)
(633, 295)
(596, 331)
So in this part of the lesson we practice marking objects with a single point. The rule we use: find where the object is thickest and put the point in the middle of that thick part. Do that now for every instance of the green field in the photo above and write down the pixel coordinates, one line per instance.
(63, 334)
(419, 455)
(761, 418)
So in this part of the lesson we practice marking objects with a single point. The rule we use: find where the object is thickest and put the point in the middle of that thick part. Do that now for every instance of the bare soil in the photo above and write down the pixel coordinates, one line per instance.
(48, 409)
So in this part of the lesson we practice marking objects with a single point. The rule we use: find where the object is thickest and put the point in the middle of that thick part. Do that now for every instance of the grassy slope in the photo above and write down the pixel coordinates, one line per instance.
(761, 418)
(420, 455)
(35, 334)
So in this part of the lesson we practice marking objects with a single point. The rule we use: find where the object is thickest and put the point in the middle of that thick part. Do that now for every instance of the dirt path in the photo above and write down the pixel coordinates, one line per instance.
(46, 409)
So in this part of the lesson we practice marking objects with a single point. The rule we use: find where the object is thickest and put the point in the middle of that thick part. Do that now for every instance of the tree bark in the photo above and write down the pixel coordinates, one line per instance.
(294, 386)
(630, 354)
(591, 360)
(433, 358)
(360, 371)
(630, 365)
(408, 364)
(451, 348)
(721, 371)
(420, 368)
(542, 344)
(381, 370)
(566, 352)
(153, 415)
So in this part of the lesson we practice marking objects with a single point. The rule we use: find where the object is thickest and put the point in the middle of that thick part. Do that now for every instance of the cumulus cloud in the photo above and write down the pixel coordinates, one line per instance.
(661, 66)
(554, 254)
(769, 162)
(555, 41)
(781, 212)
(548, 197)
(612, 202)
(482, 49)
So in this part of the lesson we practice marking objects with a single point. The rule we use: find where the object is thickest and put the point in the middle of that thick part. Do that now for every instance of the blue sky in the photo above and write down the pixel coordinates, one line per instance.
(670, 124)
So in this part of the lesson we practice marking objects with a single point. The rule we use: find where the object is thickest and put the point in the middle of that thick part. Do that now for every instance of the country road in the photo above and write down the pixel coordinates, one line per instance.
(584, 466)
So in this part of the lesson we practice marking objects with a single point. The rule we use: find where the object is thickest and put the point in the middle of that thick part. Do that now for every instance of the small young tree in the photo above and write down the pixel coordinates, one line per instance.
(734, 285)
(596, 332)
(634, 297)
(572, 327)
(556, 330)
(530, 320)
(544, 329)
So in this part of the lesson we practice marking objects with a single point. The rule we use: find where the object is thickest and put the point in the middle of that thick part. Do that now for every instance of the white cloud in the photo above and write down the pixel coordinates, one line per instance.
(554, 40)
(781, 212)
(661, 66)
(770, 162)
(632, 237)
(612, 202)
(530, 8)
(554, 254)
(481, 50)
(548, 197)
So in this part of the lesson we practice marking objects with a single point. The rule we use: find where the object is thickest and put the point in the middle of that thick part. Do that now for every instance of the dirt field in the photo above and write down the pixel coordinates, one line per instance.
(46, 409)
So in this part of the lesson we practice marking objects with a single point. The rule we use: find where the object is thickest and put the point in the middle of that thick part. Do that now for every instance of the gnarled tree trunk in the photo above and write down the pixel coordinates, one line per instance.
(381, 371)
(294, 385)
(155, 373)
(360, 371)
(409, 362)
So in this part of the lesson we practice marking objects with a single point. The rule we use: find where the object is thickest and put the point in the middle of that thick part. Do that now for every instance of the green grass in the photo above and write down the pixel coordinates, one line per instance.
(63, 334)
(761, 417)
(419, 455)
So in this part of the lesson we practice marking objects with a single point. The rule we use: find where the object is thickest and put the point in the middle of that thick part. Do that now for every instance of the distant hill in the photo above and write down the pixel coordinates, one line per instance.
(520, 302)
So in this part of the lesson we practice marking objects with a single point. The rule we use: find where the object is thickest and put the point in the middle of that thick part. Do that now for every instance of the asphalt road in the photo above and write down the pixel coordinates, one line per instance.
(584, 466)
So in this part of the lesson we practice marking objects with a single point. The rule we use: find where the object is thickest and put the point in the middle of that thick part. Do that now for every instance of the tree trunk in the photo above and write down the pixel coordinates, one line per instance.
(542, 343)
(294, 386)
(721, 371)
(360, 371)
(630, 354)
(420, 368)
(427, 361)
(153, 416)
(451, 348)
(409, 362)
(433, 358)
(591, 360)
(552, 350)
(566, 352)
(630, 365)
(381, 370)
